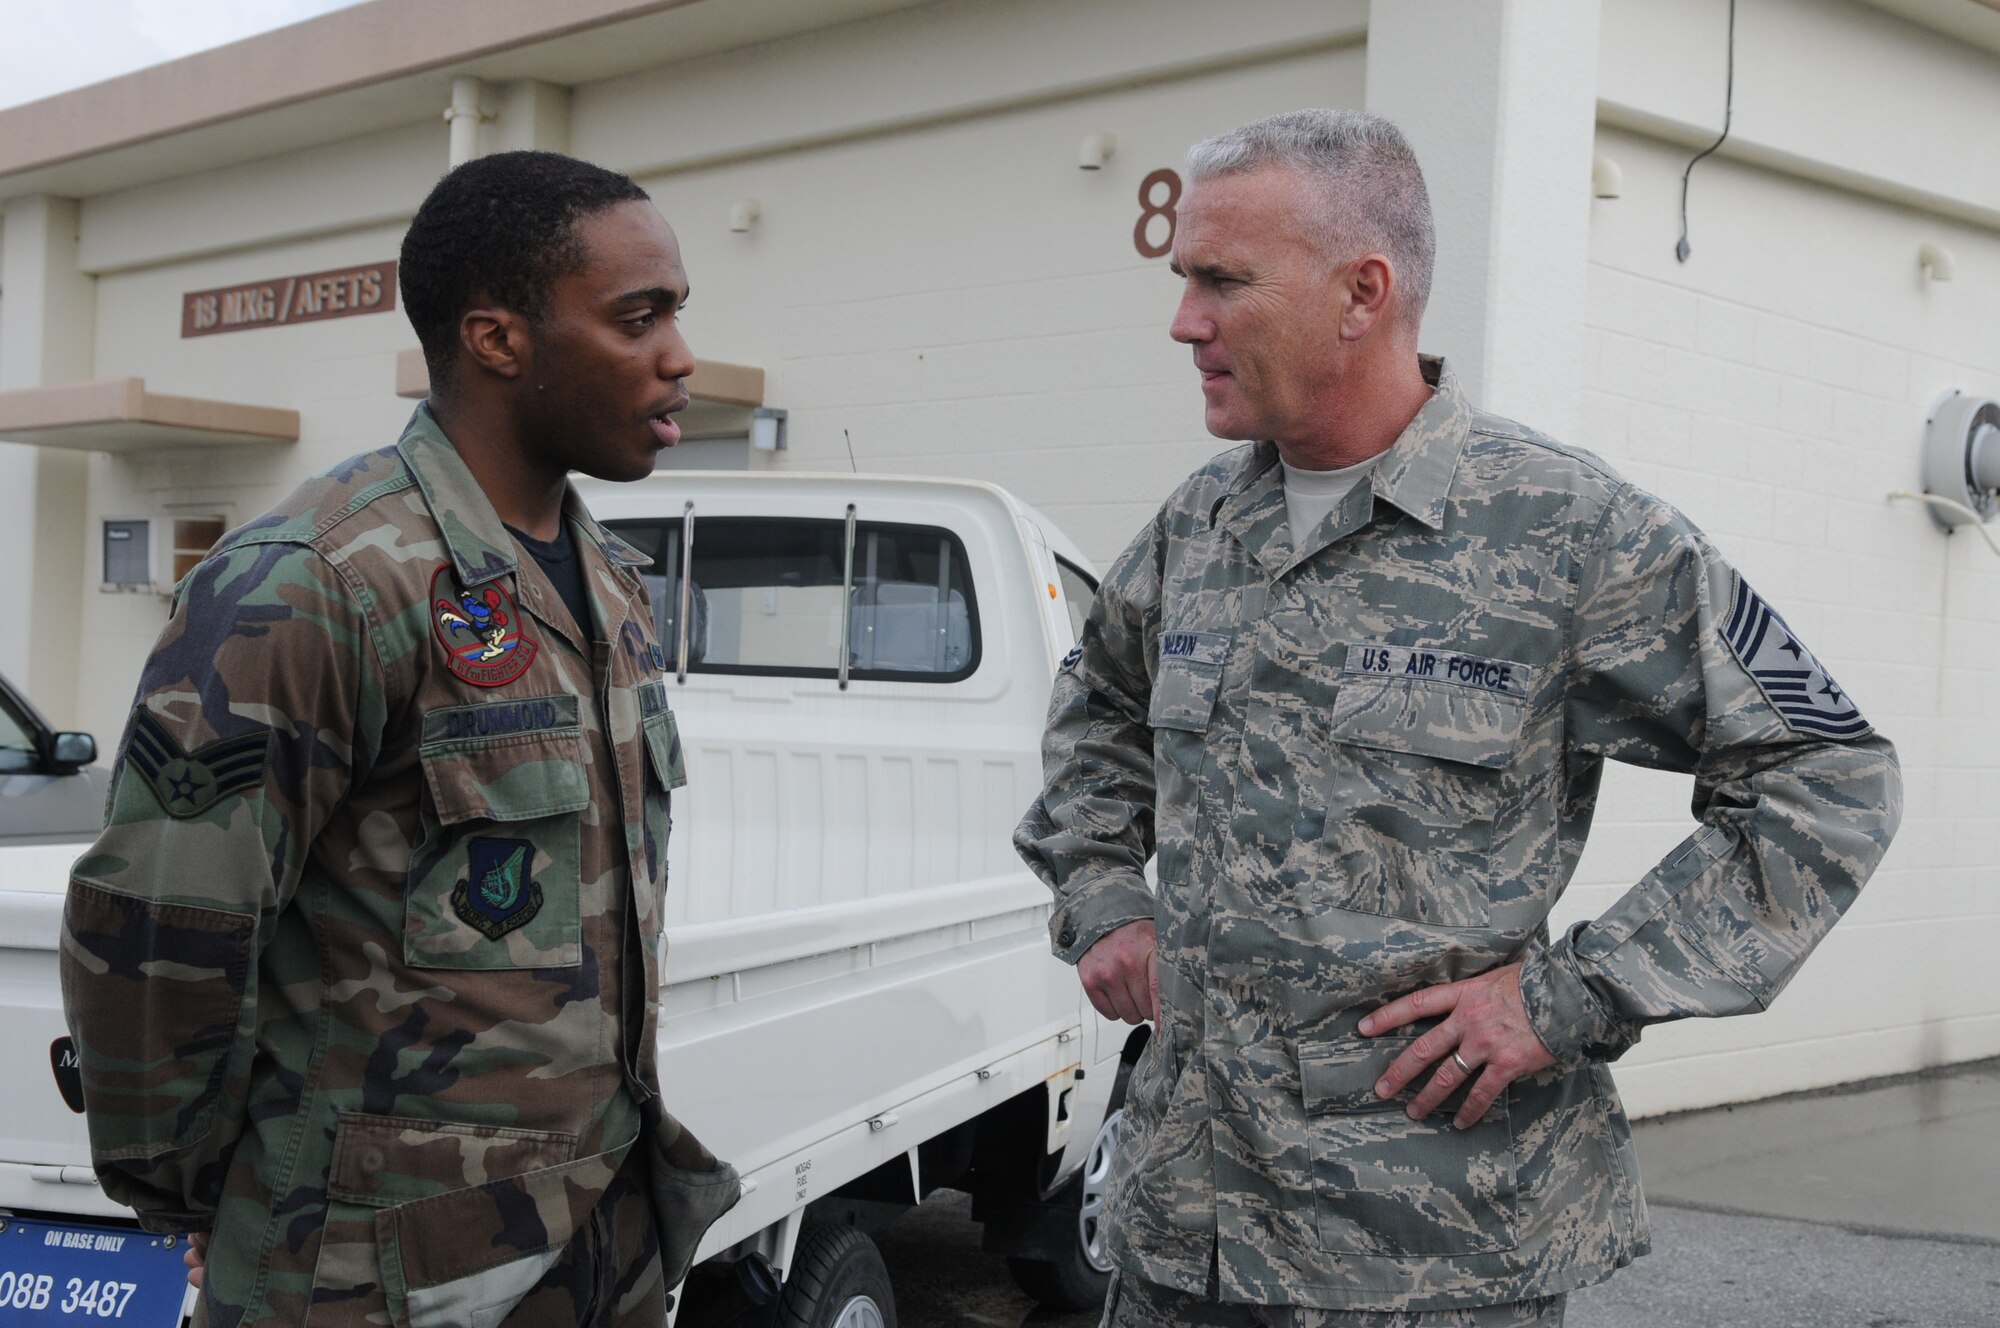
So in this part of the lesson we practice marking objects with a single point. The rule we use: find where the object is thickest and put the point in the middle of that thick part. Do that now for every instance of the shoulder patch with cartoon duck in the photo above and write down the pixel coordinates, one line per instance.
(480, 631)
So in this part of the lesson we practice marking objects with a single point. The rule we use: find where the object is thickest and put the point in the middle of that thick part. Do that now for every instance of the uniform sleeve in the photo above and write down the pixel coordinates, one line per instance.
(1089, 834)
(252, 715)
(1677, 664)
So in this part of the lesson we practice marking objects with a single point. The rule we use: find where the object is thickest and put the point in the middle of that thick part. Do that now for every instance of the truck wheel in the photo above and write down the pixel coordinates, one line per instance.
(837, 1280)
(1080, 1279)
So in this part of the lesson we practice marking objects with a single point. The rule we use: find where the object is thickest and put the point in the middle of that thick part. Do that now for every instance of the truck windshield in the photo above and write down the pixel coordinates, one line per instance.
(767, 597)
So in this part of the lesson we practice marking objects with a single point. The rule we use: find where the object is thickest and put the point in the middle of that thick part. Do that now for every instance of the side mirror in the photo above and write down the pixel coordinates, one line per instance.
(72, 751)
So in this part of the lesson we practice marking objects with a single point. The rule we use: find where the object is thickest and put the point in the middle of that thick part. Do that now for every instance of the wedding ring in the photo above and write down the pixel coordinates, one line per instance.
(1459, 1061)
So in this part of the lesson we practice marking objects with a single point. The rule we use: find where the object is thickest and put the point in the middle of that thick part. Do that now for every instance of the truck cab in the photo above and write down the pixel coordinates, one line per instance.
(859, 1004)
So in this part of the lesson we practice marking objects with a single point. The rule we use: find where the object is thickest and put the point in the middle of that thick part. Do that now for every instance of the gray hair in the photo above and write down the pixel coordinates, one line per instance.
(1370, 189)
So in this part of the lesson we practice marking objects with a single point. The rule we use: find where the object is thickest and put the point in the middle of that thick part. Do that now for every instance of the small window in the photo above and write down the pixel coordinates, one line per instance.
(1079, 589)
(128, 553)
(193, 538)
(138, 552)
(766, 598)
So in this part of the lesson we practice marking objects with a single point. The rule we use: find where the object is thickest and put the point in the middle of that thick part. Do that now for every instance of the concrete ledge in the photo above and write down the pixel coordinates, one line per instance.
(120, 415)
(1737, 147)
(713, 382)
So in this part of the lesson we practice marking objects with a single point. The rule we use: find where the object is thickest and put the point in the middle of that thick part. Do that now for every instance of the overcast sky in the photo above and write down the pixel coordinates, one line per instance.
(50, 46)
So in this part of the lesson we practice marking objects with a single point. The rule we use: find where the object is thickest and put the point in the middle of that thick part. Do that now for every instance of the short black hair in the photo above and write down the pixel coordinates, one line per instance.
(501, 228)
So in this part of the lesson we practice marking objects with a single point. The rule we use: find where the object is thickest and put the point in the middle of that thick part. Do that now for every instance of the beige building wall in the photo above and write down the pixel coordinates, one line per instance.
(960, 299)
(933, 286)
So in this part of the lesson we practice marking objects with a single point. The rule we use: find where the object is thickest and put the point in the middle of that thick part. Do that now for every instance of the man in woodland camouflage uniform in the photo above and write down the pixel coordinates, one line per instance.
(1355, 685)
(363, 969)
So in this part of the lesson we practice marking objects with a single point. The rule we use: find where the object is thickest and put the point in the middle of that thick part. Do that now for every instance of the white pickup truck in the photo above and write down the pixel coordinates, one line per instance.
(860, 1004)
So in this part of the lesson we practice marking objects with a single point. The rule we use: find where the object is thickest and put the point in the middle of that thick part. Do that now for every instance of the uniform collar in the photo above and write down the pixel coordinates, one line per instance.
(1415, 474)
(481, 548)
(617, 550)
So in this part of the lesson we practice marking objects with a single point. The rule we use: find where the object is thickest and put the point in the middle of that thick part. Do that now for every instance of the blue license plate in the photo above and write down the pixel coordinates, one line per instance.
(62, 1272)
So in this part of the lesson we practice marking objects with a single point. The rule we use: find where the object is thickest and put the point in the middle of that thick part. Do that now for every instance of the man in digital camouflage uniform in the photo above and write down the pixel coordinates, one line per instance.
(363, 969)
(1363, 735)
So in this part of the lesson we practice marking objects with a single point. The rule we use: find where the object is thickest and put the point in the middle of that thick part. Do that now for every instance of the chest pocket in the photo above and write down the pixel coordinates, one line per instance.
(496, 881)
(1185, 687)
(1411, 789)
(663, 736)
(667, 771)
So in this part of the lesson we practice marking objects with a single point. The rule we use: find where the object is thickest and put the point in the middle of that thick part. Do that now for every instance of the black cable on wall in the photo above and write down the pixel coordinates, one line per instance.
(1683, 249)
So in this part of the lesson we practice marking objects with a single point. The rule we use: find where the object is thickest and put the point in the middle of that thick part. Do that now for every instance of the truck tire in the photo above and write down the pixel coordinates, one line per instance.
(1081, 1277)
(837, 1280)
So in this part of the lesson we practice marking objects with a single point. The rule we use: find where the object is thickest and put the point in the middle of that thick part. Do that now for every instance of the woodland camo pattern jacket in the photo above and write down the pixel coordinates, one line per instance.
(362, 971)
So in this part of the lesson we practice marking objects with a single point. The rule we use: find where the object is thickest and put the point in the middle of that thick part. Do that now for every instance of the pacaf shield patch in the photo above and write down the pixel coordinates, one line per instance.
(498, 894)
(189, 783)
(1797, 685)
(480, 631)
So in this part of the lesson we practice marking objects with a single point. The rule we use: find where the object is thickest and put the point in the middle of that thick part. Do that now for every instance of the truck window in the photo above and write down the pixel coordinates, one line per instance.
(17, 741)
(1079, 589)
(767, 598)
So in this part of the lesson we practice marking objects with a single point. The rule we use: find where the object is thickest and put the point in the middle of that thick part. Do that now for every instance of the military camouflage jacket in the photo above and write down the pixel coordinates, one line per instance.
(1368, 761)
(362, 970)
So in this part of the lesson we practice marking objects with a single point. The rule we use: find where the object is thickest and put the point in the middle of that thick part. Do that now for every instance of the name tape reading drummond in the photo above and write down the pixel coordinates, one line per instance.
(341, 293)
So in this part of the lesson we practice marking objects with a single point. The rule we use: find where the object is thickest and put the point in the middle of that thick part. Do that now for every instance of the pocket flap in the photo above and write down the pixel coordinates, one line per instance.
(464, 1231)
(1184, 695)
(389, 1160)
(1341, 1075)
(1425, 718)
(511, 775)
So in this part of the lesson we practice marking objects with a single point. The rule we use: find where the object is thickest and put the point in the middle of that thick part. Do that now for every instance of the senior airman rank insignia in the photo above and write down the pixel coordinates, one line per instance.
(498, 894)
(480, 631)
(1798, 686)
(189, 783)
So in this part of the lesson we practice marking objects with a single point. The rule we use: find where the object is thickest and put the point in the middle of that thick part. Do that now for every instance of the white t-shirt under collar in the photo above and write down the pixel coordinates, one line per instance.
(1311, 494)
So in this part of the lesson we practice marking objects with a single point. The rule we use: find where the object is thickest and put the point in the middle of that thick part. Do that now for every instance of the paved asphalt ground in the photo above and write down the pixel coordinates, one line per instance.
(1872, 1206)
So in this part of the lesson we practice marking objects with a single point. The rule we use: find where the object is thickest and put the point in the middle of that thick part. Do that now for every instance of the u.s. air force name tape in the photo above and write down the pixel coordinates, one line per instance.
(1440, 665)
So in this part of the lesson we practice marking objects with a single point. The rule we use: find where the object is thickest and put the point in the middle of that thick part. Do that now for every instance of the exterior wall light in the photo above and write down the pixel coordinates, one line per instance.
(1606, 179)
(1936, 261)
(767, 429)
(1095, 150)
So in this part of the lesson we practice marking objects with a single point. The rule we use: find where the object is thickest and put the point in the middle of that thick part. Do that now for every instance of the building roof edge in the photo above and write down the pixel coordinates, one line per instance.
(372, 42)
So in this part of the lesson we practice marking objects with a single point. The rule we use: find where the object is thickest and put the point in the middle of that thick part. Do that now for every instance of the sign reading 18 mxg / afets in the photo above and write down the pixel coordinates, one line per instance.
(368, 289)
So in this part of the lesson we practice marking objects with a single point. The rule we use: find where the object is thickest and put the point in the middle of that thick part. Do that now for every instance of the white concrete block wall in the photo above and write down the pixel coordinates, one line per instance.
(1775, 388)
